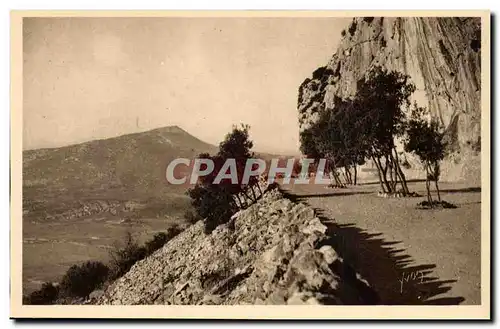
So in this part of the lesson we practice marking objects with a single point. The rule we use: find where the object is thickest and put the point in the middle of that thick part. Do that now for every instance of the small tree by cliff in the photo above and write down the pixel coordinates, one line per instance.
(380, 99)
(425, 139)
(364, 127)
(336, 136)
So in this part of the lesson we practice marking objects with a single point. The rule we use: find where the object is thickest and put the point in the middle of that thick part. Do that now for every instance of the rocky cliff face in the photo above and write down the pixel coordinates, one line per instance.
(441, 55)
(274, 252)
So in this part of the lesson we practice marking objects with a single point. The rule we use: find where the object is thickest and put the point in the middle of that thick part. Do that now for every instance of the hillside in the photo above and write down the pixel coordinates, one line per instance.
(116, 170)
(129, 164)
(79, 200)
(274, 252)
(442, 55)
(113, 170)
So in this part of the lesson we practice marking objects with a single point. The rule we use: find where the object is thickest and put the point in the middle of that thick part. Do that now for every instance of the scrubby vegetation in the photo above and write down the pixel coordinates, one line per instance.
(80, 280)
(216, 201)
(352, 28)
(213, 203)
(45, 296)
(124, 256)
(191, 216)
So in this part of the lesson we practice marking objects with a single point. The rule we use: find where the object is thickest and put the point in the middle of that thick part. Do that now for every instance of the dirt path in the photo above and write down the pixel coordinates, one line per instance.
(410, 256)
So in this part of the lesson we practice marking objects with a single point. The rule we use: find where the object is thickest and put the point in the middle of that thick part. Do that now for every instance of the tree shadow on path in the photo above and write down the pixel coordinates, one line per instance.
(325, 195)
(376, 182)
(391, 272)
(462, 190)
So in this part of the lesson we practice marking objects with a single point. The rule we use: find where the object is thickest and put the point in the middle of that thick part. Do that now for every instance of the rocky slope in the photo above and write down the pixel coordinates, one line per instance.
(441, 55)
(274, 252)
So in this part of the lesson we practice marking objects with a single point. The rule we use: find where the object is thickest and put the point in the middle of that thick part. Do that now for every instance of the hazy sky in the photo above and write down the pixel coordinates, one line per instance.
(88, 78)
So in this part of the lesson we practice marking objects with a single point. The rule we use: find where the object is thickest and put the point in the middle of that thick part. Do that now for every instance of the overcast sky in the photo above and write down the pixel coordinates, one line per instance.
(89, 78)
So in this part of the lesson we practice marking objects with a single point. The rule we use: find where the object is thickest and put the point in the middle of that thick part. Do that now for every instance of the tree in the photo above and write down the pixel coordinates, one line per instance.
(237, 145)
(425, 139)
(328, 140)
(380, 99)
(216, 203)
(337, 137)
(81, 280)
(364, 127)
(354, 144)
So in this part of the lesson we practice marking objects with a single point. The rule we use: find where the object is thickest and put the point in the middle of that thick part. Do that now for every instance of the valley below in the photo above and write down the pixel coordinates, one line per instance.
(53, 243)
(79, 201)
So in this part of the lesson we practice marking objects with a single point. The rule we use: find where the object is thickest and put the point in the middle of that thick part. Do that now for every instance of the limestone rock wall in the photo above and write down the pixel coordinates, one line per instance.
(441, 54)
(273, 252)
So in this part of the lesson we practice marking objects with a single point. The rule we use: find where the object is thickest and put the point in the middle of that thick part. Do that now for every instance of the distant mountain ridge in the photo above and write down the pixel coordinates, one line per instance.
(129, 166)
(132, 164)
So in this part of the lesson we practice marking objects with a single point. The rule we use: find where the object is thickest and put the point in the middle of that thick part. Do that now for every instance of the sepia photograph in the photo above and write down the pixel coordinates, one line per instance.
(306, 159)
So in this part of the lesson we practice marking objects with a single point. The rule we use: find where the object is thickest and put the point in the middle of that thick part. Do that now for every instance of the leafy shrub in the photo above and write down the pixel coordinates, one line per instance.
(156, 243)
(319, 72)
(213, 203)
(343, 33)
(160, 239)
(352, 28)
(81, 280)
(45, 296)
(123, 258)
(172, 232)
(368, 19)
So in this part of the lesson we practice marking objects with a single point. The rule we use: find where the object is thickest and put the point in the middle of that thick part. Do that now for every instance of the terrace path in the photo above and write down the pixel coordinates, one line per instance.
(410, 256)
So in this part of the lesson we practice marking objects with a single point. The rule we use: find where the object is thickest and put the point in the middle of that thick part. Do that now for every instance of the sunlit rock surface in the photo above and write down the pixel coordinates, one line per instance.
(441, 55)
